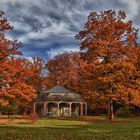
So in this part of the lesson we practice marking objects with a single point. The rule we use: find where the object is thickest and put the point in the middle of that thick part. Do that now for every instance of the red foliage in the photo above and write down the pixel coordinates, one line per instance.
(64, 69)
(108, 46)
(13, 74)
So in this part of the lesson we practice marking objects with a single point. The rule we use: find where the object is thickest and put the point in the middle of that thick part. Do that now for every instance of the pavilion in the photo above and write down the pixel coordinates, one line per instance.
(59, 101)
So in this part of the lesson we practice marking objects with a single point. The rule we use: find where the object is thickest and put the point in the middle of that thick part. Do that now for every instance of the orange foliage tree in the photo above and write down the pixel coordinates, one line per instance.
(137, 75)
(108, 46)
(13, 89)
(32, 72)
(64, 69)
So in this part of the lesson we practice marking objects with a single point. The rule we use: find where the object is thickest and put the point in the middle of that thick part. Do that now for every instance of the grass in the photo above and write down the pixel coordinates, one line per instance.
(80, 128)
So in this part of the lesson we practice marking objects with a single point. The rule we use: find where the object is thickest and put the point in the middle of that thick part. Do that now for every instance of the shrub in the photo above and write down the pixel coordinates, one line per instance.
(122, 112)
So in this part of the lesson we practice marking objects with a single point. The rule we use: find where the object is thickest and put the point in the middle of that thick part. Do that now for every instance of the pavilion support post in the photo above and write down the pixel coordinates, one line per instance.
(70, 109)
(44, 109)
(81, 109)
(58, 112)
(85, 108)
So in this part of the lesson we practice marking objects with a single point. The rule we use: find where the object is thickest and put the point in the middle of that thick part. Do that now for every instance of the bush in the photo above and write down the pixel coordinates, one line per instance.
(122, 112)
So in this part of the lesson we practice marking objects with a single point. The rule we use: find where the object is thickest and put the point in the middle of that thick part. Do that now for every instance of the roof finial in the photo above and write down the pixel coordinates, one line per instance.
(58, 82)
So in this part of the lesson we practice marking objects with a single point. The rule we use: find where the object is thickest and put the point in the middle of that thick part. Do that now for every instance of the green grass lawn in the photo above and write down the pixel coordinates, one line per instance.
(81, 128)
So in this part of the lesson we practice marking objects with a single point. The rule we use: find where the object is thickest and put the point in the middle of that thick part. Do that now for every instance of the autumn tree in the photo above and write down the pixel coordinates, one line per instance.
(136, 79)
(64, 69)
(8, 48)
(108, 46)
(138, 59)
(32, 72)
(13, 89)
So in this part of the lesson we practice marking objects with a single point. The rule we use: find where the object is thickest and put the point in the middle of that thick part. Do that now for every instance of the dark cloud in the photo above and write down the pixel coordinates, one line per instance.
(48, 27)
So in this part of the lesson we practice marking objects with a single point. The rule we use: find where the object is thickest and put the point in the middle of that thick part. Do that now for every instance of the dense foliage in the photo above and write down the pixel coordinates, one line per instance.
(108, 46)
(64, 70)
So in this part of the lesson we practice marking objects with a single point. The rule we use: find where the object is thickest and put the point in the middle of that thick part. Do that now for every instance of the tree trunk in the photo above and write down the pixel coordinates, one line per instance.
(110, 110)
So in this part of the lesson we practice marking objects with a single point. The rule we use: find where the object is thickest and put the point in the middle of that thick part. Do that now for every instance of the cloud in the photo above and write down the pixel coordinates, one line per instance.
(53, 52)
(55, 29)
(47, 27)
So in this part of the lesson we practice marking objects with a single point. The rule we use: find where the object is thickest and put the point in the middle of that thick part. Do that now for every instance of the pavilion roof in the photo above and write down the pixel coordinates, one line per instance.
(58, 89)
(59, 93)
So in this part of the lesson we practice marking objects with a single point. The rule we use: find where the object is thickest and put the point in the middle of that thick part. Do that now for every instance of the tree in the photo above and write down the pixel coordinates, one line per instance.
(138, 59)
(108, 46)
(134, 98)
(8, 48)
(13, 89)
(64, 69)
(32, 72)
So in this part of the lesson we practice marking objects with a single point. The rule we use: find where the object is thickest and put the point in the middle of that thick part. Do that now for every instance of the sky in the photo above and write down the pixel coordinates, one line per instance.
(47, 28)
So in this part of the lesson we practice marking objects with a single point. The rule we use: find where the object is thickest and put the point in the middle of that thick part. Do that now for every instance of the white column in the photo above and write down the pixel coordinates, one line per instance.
(81, 109)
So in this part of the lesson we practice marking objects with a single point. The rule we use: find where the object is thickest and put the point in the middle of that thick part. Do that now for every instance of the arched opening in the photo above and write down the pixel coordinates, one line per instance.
(80, 108)
(52, 109)
(64, 109)
(39, 109)
(75, 109)
(60, 108)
